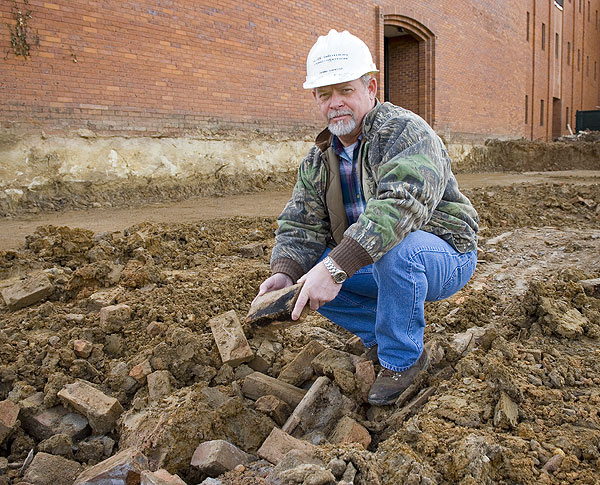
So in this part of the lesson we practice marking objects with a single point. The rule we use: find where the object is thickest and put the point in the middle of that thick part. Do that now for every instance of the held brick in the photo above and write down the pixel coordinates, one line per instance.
(33, 289)
(257, 385)
(230, 339)
(102, 411)
(218, 456)
(9, 414)
(124, 467)
(349, 431)
(278, 443)
(114, 317)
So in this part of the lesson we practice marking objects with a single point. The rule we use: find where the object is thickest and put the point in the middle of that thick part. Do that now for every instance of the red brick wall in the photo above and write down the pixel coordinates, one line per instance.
(151, 67)
(404, 72)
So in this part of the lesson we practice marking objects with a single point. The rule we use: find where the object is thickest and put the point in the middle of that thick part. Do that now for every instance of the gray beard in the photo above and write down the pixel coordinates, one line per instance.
(342, 128)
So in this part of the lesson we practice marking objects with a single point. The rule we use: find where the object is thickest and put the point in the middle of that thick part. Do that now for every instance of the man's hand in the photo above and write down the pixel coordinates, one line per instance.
(274, 282)
(319, 288)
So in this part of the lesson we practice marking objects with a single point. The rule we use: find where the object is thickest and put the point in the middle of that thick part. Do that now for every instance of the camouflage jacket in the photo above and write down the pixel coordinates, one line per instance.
(408, 184)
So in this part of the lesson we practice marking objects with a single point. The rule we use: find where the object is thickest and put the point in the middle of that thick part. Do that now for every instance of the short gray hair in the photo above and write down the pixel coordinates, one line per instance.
(365, 78)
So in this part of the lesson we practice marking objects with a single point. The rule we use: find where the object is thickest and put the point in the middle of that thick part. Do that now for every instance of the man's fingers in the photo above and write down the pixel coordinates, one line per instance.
(300, 303)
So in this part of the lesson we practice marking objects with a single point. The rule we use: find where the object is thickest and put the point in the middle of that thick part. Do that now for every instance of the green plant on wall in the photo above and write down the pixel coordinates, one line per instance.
(21, 37)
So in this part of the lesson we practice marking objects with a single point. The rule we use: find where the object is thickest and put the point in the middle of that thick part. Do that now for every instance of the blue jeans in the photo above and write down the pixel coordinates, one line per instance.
(384, 303)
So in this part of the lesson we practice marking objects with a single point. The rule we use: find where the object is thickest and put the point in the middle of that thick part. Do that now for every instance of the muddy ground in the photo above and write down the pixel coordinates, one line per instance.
(512, 397)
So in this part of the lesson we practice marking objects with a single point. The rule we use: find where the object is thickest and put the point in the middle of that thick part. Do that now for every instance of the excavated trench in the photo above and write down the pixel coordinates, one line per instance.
(512, 395)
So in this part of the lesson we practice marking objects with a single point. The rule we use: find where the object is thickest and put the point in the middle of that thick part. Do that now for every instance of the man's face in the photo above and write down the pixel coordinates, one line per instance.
(345, 105)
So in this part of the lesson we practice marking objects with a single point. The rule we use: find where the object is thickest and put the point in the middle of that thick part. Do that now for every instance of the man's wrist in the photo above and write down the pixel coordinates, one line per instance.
(337, 274)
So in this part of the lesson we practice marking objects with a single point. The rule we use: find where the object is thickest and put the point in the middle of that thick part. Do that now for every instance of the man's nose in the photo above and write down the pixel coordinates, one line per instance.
(336, 100)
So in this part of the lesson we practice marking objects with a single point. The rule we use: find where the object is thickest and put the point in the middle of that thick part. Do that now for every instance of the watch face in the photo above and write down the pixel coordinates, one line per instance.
(340, 277)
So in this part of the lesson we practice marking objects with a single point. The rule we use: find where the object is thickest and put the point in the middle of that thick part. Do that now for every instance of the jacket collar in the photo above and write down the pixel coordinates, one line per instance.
(371, 123)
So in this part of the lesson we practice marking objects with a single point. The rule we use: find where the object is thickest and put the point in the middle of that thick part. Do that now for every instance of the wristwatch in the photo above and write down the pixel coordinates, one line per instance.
(338, 275)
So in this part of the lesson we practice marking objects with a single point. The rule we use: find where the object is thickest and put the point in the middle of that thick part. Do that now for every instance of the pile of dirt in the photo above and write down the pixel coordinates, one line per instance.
(512, 395)
(577, 153)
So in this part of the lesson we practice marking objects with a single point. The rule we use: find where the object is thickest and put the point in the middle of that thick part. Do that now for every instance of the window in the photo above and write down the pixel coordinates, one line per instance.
(596, 19)
(589, 9)
(526, 109)
(578, 60)
(559, 3)
(587, 66)
(556, 44)
(542, 112)
(527, 36)
(543, 36)
(567, 118)
(579, 6)
(595, 70)
(569, 53)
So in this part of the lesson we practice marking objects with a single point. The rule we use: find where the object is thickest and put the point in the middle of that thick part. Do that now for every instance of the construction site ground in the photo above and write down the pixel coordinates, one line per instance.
(512, 395)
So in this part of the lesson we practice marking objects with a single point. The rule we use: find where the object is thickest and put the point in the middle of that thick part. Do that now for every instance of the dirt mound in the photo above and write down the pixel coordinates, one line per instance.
(512, 395)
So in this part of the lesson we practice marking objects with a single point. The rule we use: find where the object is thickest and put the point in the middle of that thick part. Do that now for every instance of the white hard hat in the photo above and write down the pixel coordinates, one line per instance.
(337, 57)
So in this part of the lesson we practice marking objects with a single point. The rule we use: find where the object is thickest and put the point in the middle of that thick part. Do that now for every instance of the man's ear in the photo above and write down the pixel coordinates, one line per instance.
(314, 93)
(372, 87)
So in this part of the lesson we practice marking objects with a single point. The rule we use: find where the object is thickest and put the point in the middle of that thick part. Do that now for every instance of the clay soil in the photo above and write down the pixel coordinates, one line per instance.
(513, 392)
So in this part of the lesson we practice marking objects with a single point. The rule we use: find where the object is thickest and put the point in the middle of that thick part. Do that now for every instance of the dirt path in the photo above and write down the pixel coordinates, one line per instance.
(13, 231)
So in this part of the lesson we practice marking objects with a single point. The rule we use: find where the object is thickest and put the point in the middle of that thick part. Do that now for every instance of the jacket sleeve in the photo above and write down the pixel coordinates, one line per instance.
(410, 168)
(303, 226)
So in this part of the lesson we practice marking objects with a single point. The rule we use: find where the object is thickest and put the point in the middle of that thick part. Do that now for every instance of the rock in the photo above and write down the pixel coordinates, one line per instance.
(365, 377)
(55, 420)
(160, 477)
(553, 464)
(292, 459)
(94, 449)
(561, 319)
(273, 407)
(591, 287)
(299, 370)
(82, 348)
(9, 414)
(59, 444)
(252, 250)
(278, 443)
(102, 411)
(330, 359)
(506, 414)
(413, 406)
(33, 289)
(104, 298)
(257, 385)
(114, 317)
(85, 133)
(46, 469)
(213, 396)
(350, 474)
(274, 305)
(218, 456)
(349, 431)
(159, 384)
(307, 473)
(125, 467)
(231, 341)
(140, 371)
(337, 466)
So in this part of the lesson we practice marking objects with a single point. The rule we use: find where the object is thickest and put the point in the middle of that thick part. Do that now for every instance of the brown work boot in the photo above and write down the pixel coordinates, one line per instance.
(390, 384)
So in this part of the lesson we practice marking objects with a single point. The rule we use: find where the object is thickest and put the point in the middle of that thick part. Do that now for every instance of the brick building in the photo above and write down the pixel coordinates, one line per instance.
(473, 69)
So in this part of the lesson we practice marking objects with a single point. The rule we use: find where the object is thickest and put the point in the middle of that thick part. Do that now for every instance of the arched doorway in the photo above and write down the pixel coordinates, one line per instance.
(409, 49)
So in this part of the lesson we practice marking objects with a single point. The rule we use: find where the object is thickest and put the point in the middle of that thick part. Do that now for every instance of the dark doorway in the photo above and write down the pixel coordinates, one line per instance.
(556, 118)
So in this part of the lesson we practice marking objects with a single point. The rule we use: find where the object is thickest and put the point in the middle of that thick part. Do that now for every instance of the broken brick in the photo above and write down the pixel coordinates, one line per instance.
(159, 384)
(33, 289)
(160, 477)
(252, 250)
(299, 370)
(257, 385)
(140, 371)
(365, 377)
(218, 456)
(273, 407)
(102, 411)
(230, 339)
(278, 443)
(55, 420)
(82, 348)
(9, 413)
(104, 298)
(47, 469)
(348, 430)
(114, 317)
(274, 305)
(124, 467)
